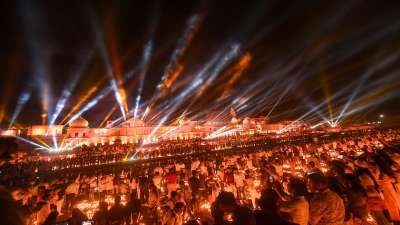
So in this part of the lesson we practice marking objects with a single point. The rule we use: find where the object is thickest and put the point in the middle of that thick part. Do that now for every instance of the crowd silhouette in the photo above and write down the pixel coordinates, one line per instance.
(326, 179)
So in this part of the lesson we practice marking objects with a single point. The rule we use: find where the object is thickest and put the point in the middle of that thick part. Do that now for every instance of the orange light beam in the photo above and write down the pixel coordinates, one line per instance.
(108, 116)
(81, 101)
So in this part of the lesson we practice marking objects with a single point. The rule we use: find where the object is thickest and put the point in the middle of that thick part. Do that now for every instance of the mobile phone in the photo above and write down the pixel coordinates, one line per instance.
(88, 222)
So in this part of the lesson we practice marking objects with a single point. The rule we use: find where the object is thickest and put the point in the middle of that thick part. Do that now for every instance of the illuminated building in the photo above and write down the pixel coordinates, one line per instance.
(11, 132)
(135, 130)
(45, 130)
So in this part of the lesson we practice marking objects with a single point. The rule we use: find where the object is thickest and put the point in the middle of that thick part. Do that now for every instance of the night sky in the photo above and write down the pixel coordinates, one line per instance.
(312, 60)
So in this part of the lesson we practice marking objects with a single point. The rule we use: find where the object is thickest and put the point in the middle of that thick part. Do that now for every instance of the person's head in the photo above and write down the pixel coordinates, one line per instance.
(297, 187)
(179, 208)
(174, 195)
(53, 207)
(226, 201)
(317, 182)
(268, 200)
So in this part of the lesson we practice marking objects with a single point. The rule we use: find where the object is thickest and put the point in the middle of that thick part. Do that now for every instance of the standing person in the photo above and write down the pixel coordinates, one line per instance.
(326, 207)
(194, 183)
(52, 217)
(153, 199)
(100, 216)
(133, 209)
(157, 180)
(143, 188)
(239, 182)
(297, 208)
(116, 213)
(134, 186)
(172, 181)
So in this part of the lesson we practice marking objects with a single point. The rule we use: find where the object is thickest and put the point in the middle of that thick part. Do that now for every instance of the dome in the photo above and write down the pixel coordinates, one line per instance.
(246, 121)
(79, 123)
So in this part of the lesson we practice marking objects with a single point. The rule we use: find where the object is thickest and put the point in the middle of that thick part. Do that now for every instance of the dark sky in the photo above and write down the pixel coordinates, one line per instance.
(307, 59)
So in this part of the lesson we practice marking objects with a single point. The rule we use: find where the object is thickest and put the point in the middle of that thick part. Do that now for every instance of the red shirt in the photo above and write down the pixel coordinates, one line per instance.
(171, 178)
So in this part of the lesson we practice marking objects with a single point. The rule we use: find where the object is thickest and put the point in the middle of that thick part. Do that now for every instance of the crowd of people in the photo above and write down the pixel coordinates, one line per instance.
(348, 178)
(24, 166)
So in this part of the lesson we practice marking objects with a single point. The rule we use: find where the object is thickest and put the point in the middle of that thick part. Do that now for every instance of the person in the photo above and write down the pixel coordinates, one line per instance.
(226, 210)
(153, 196)
(116, 213)
(10, 213)
(174, 198)
(172, 181)
(269, 213)
(43, 210)
(100, 216)
(194, 183)
(357, 199)
(134, 185)
(77, 217)
(157, 180)
(391, 197)
(52, 217)
(312, 168)
(143, 187)
(297, 208)
(326, 207)
(133, 208)
(174, 216)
